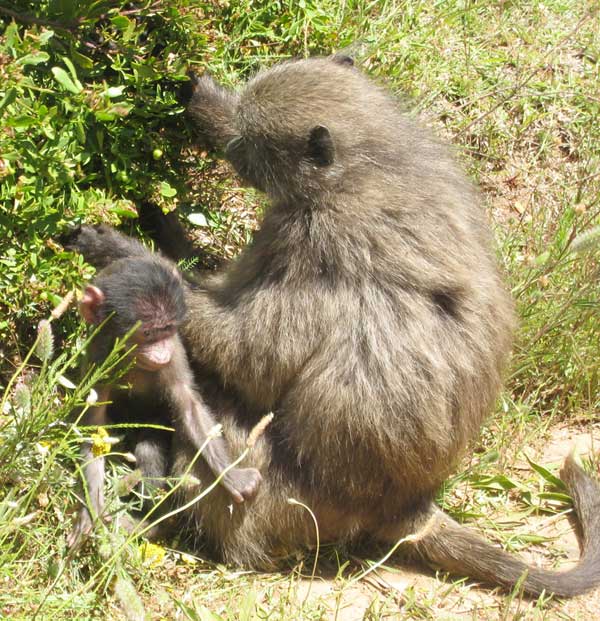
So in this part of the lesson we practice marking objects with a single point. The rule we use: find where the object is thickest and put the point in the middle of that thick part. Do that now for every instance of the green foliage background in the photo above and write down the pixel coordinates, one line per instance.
(90, 129)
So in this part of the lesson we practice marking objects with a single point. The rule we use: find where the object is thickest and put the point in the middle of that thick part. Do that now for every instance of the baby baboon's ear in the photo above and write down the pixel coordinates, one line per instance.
(90, 303)
(321, 150)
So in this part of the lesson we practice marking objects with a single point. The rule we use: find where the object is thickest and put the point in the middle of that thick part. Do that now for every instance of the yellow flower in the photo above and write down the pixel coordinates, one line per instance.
(152, 554)
(100, 444)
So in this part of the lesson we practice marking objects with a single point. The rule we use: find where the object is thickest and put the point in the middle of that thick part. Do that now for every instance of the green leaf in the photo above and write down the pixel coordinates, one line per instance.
(103, 115)
(72, 70)
(22, 121)
(143, 71)
(166, 190)
(9, 98)
(33, 59)
(110, 114)
(207, 615)
(532, 538)
(201, 613)
(10, 34)
(556, 497)
(189, 612)
(246, 612)
(46, 36)
(124, 209)
(546, 474)
(114, 91)
(83, 61)
(63, 78)
(498, 482)
(120, 21)
(66, 382)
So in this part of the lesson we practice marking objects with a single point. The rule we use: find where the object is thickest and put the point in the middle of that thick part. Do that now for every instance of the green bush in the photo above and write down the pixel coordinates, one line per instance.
(91, 129)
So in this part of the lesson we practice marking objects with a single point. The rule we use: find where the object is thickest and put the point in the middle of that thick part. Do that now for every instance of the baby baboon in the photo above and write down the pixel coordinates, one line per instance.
(142, 292)
(368, 315)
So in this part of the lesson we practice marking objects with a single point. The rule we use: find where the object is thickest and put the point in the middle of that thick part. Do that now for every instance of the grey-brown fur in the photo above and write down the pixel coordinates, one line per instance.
(367, 314)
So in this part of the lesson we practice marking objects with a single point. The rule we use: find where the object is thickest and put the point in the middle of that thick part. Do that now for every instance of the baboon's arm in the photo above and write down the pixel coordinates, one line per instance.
(212, 108)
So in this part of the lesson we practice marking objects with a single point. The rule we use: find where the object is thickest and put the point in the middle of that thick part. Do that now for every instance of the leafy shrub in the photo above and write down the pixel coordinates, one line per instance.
(91, 129)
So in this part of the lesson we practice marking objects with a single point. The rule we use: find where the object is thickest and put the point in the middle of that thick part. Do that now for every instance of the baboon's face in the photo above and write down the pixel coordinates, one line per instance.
(241, 156)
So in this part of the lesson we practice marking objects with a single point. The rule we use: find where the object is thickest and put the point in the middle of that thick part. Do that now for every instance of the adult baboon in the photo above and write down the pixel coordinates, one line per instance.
(368, 315)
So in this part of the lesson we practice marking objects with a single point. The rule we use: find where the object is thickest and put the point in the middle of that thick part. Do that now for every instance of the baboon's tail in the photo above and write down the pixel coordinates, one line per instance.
(458, 550)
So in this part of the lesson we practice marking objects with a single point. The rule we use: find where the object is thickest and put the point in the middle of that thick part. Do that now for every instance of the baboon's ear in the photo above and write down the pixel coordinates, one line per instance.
(320, 146)
(89, 306)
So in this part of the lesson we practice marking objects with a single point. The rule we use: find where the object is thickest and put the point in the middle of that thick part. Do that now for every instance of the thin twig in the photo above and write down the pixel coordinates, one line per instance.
(30, 19)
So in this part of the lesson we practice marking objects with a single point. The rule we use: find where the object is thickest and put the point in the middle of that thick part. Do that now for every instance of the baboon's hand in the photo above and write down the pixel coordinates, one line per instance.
(79, 237)
(100, 245)
(203, 88)
(242, 483)
(81, 528)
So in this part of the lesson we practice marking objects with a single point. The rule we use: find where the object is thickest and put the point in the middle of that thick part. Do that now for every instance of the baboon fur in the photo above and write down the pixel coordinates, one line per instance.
(367, 314)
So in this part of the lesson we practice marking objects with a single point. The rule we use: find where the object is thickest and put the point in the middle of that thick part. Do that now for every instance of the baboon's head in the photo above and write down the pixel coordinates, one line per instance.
(304, 126)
